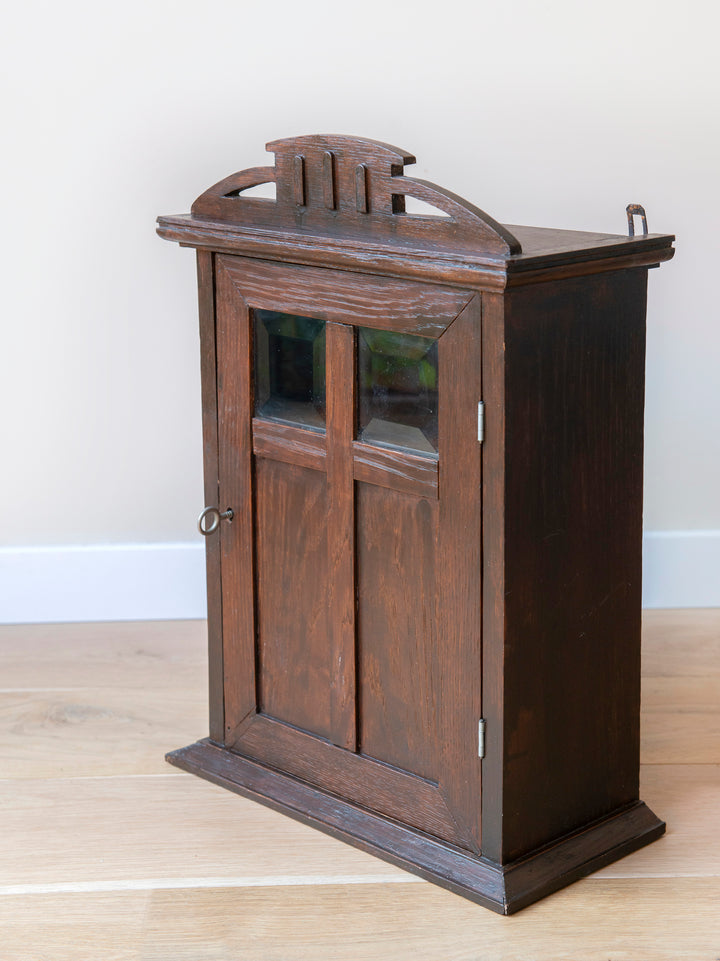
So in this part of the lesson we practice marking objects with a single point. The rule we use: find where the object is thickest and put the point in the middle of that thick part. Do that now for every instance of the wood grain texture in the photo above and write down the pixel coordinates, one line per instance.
(620, 920)
(686, 737)
(469, 269)
(361, 197)
(290, 247)
(68, 927)
(651, 257)
(493, 586)
(681, 689)
(546, 247)
(378, 787)
(96, 731)
(299, 174)
(331, 202)
(659, 903)
(458, 593)
(681, 643)
(294, 639)
(502, 888)
(335, 296)
(162, 656)
(398, 656)
(226, 837)
(48, 657)
(341, 200)
(208, 370)
(666, 920)
(341, 534)
(328, 179)
(235, 406)
(291, 445)
(551, 588)
(574, 375)
(687, 797)
(397, 470)
(394, 469)
(106, 830)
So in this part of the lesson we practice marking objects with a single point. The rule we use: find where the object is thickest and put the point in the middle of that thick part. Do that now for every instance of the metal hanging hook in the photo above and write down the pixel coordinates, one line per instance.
(633, 210)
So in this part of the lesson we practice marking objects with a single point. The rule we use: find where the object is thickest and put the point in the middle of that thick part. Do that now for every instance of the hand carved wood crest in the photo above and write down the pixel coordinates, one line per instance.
(347, 186)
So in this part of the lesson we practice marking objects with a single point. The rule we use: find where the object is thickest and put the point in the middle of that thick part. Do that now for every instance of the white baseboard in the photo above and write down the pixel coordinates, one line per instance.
(104, 582)
(136, 582)
(681, 569)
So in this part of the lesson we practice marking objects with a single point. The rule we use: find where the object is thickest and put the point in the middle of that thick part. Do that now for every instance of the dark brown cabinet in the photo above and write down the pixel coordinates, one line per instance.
(425, 436)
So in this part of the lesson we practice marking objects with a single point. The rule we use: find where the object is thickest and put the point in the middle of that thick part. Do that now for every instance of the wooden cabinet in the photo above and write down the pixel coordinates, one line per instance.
(425, 434)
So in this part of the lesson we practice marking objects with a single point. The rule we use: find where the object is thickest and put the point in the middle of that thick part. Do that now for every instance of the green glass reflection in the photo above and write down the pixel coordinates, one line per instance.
(397, 390)
(290, 369)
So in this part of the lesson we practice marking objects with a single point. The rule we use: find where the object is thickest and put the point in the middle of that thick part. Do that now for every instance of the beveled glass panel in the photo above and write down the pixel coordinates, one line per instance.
(290, 369)
(397, 390)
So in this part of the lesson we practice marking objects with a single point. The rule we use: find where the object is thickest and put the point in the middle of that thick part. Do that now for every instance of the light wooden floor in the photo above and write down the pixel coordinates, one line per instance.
(109, 854)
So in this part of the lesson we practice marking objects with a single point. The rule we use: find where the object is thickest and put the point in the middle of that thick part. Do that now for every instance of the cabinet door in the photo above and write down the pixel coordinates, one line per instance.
(348, 451)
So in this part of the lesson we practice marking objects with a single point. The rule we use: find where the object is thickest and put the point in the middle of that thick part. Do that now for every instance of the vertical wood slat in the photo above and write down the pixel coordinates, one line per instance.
(234, 346)
(340, 367)
(493, 538)
(361, 200)
(206, 308)
(299, 173)
(328, 177)
(459, 577)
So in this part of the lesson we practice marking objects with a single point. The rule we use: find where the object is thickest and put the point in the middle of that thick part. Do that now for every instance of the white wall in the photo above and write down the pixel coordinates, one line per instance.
(555, 114)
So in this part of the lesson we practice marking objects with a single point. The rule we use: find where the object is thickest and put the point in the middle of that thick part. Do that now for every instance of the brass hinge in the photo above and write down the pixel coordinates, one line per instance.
(481, 737)
(481, 421)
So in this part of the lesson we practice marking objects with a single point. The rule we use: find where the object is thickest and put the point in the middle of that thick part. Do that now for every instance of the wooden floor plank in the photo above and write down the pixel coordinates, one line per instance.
(97, 731)
(675, 643)
(687, 798)
(622, 920)
(679, 643)
(172, 867)
(158, 827)
(179, 827)
(127, 654)
(684, 694)
(680, 738)
(655, 920)
(97, 927)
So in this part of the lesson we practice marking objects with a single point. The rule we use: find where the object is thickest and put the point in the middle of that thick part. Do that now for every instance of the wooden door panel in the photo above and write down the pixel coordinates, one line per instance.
(351, 573)
(397, 647)
(293, 644)
(377, 786)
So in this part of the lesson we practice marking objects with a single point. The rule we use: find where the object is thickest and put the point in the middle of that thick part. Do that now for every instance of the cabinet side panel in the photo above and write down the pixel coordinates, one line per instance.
(397, 645)
(294, 654)
(574, 452)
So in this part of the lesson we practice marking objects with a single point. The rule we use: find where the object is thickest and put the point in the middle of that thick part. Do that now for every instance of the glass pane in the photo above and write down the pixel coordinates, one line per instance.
(397, 388)
(290, 369)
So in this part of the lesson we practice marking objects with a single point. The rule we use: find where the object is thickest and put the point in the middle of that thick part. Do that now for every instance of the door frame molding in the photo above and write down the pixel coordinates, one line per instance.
(449, 808)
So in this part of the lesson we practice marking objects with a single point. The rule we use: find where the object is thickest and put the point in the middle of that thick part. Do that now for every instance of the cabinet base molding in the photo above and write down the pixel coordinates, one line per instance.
(502, 888)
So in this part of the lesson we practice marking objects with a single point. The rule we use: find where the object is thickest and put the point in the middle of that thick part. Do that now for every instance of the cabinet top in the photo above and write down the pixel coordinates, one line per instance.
(341, 202)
